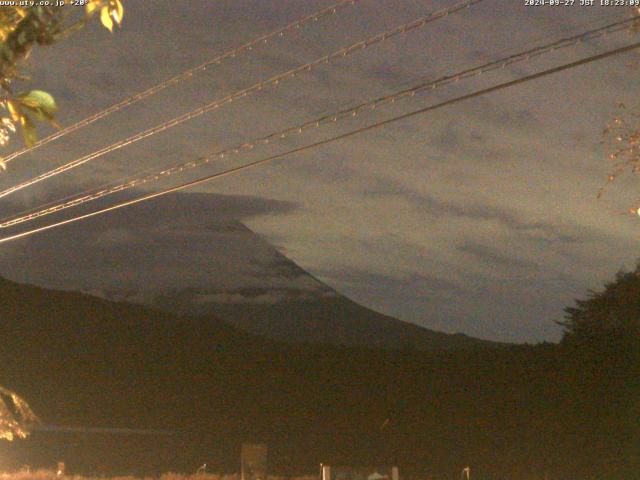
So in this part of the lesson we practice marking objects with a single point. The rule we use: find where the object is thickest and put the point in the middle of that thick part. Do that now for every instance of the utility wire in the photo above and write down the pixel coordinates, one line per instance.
(269, 83)
(527, 55)
(314, 17)
(272, 158)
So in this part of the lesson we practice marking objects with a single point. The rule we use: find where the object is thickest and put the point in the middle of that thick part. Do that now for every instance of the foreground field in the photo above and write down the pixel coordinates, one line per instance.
(200, 389)
(51, 475)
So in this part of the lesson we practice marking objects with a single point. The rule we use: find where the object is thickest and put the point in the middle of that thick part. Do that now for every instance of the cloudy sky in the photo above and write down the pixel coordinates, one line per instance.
(480, 217)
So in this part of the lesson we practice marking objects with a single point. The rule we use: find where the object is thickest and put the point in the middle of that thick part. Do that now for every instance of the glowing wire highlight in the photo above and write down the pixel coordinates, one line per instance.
(326, 119)
(271, 82)
(382, 123)
(249, 46)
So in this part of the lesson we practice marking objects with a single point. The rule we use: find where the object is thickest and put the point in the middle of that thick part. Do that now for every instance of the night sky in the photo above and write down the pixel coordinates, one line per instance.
(479, 218)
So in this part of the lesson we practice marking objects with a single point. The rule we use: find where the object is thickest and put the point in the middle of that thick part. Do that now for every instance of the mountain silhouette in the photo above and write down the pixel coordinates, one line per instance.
(125, 389)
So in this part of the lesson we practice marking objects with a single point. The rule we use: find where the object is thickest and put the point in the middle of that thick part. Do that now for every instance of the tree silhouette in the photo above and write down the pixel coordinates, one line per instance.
(609, 317)
(601, 344)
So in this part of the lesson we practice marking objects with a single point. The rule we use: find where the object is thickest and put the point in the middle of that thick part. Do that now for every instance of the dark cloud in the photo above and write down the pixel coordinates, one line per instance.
(151, 243)
(432, 219)
(542, 232)
(494, 257)
(182, 207)
(517, 118)
(412, 283)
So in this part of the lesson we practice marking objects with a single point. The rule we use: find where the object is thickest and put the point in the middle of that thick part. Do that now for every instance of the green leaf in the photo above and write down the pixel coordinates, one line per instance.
(43, 116)
(14, 110)
(39, 100)
(38, 113)
(117, 11)
(29, 133)
(92, 6)
(105, 18)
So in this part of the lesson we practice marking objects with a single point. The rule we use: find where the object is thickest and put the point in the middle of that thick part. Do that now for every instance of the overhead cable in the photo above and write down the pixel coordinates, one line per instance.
(272, 158)
(187, 74)
(132, 182)
(269, 83)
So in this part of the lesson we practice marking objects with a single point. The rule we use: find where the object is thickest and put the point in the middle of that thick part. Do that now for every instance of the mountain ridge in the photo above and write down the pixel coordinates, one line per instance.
(85, 362)
(334, 320)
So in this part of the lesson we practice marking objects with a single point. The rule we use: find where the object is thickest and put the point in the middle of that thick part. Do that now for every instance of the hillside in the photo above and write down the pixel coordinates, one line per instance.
(327, 320)
(240, 276)
(190, 390)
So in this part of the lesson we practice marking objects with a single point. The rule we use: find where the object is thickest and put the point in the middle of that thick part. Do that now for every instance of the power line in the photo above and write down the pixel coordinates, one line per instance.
(271, 82)
(71, 196)
(249, 46)
(272, 158)
(527, 55)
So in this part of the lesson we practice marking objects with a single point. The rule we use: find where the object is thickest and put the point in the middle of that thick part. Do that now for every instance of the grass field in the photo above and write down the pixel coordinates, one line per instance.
(51, 475)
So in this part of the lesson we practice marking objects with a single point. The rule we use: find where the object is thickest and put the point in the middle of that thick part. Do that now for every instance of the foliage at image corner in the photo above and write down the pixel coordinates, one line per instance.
(22, 28)
(16, 417)
(610, 316)
(601, 341)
